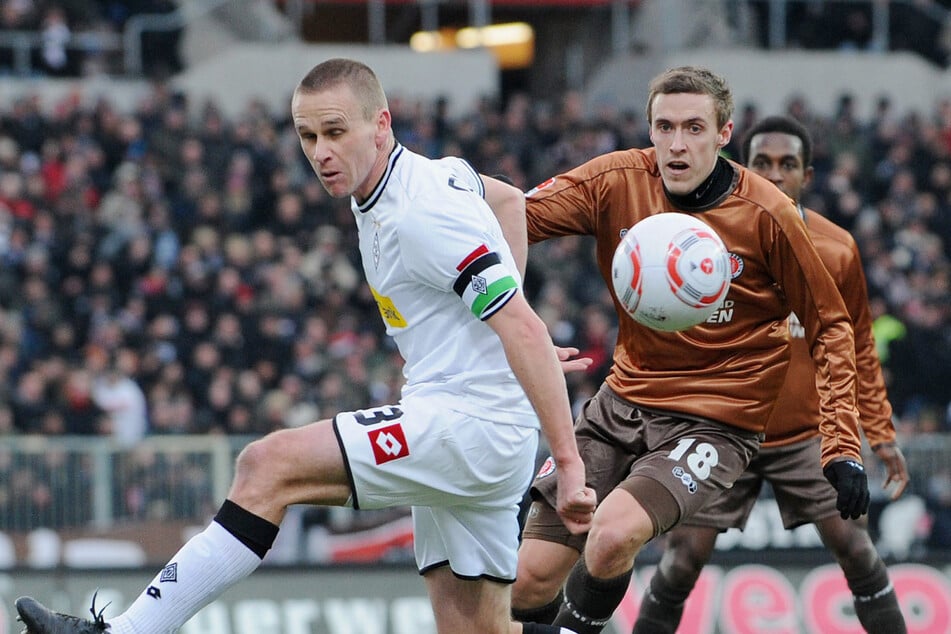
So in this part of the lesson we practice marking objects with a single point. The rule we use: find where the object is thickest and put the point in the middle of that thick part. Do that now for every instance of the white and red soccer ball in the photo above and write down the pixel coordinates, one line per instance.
(671, 271)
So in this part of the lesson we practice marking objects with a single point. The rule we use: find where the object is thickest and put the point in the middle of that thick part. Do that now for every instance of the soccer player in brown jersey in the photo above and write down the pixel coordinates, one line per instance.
(780, 149)
(681, 414)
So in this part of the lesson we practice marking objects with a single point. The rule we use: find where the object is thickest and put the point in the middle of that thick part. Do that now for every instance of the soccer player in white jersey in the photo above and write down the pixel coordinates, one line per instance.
(481, 374)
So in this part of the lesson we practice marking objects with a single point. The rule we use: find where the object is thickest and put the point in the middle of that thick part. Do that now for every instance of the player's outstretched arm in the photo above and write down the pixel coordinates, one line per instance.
(532, 356)
(875, 411)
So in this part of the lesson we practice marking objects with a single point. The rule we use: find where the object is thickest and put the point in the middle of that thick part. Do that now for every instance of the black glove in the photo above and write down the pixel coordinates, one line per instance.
(849, 479)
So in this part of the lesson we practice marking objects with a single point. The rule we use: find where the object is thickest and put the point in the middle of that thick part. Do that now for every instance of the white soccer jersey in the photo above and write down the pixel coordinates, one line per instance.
(437, 264)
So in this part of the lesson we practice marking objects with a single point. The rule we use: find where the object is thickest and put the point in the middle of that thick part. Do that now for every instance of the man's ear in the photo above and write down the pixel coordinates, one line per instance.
(725, 134)
(808, 173)
(384, 123)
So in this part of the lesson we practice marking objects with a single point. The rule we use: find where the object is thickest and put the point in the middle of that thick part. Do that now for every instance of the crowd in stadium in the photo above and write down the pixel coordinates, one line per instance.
(175, 271)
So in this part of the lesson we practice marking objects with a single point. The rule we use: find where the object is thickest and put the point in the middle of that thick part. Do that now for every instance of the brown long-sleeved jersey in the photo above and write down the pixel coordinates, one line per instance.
(796, 414)
(731, 368)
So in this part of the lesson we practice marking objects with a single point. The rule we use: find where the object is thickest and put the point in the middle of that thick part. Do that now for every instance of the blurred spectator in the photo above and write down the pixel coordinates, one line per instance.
(55, 32)
(123, 402)
(82, 414)
(30, 402)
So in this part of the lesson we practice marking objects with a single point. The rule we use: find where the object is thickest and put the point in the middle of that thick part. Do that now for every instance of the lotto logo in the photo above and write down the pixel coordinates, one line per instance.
(388, 443)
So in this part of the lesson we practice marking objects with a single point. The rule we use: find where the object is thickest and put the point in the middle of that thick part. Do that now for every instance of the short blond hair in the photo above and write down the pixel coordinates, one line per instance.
(358, 76)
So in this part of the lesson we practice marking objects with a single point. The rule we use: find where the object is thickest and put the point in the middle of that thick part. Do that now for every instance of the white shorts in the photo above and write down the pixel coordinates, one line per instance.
(463, 476)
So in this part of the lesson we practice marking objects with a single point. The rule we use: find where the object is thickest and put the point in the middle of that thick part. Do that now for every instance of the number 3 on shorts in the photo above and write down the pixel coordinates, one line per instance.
(703, 458)
(375, 415)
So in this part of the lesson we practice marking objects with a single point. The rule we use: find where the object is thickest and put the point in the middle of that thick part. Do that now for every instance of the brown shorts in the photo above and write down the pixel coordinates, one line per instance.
(793, 471)
(670, 464)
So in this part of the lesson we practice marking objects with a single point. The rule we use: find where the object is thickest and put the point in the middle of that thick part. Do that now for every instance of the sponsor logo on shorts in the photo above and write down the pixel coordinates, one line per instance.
(388, 443)
(686, 478)
(547, 468)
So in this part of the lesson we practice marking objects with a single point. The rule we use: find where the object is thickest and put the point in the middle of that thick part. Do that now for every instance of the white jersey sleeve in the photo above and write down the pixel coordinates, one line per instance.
(458, 251)
(464, 174)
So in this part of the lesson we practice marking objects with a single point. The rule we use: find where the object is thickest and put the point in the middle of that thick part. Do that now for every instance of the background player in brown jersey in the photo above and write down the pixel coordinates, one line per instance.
(780, 149)
(682, 413)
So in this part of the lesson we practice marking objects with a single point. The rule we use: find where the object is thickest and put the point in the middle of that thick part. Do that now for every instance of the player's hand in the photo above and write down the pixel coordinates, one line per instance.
(849, 479)
(576, 501)
(570, 364)
(894, 461)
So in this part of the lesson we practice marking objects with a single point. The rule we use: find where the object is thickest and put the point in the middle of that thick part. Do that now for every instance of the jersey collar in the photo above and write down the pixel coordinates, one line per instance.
(378, 190)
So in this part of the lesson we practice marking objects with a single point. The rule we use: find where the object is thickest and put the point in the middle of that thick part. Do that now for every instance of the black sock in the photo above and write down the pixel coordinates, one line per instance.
(255, 532)
(540, 628)
(589, 601)
(876, 604)
(662, 607)
(542, 614)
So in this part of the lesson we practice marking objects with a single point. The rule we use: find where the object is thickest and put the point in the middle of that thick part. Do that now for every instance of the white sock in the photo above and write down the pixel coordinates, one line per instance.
(207, 565)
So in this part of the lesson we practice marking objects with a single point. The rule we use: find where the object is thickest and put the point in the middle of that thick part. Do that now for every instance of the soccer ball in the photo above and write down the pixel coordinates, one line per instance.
(671, 271)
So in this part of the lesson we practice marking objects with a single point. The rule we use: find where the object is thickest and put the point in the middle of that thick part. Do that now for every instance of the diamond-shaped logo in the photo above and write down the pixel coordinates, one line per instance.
(479, 285)
(169, 573)
(388, 443)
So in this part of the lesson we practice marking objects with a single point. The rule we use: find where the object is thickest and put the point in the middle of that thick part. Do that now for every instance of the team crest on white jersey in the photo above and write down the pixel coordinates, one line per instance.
(484, 284)
(479, 284)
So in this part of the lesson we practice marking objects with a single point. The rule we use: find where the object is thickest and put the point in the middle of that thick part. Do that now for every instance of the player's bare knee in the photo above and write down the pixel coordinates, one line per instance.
(257, 470)
(611, 548)
(683, 566)
(534, 586)
(856, 554)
